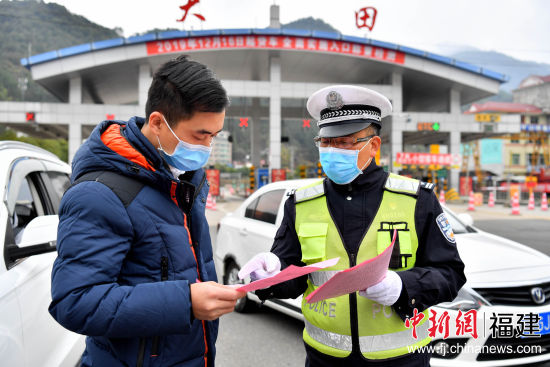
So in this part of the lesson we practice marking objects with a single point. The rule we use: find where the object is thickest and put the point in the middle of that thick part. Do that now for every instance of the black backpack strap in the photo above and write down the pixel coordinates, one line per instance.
(124, 187)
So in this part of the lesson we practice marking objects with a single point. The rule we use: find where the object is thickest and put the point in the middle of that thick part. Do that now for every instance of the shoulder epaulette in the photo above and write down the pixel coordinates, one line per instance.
(427, 185)
(401, 184)
(291, 192)
(309, 192)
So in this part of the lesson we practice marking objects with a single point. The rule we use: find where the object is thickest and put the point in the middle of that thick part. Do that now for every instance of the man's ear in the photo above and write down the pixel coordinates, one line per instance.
(155, 122)
(375, 145)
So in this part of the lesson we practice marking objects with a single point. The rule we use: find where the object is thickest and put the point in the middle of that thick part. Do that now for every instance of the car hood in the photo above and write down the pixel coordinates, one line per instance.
(493, 261)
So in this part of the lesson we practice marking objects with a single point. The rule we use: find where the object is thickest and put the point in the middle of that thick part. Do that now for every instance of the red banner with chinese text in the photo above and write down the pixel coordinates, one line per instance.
(427, 158)
(274, 42)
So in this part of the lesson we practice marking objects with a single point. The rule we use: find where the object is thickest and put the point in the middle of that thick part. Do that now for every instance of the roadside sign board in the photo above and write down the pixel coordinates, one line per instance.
(213, 177)
(263, 176)
(278, 175)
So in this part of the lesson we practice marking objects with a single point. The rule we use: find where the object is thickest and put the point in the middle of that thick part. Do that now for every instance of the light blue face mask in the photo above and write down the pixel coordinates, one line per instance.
(340, 165)
(186, 157)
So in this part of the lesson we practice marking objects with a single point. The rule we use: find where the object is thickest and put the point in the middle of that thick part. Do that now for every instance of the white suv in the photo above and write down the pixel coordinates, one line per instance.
(33, 181)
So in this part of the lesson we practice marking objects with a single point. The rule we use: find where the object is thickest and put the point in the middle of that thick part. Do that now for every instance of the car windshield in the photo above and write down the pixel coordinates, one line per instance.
(456, 224)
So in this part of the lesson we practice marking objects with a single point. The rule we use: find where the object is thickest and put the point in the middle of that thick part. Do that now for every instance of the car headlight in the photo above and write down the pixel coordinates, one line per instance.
(467, 299)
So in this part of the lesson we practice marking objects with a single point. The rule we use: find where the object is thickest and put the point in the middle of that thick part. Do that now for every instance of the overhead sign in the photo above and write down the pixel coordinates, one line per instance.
(256, 41)
(535, 128)
(428, 126)
(487, 117)
(427, 158)
(30, 116)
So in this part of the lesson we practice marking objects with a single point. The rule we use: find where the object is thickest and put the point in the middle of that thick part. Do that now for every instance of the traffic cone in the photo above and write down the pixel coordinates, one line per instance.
(210, 202)
(471, 202)
(531, 204)
(515, 204)
(442, 197)
(491, 199)
(544, 202)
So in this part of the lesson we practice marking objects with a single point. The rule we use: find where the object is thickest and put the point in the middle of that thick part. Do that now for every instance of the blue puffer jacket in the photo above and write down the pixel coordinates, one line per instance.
(122, 275)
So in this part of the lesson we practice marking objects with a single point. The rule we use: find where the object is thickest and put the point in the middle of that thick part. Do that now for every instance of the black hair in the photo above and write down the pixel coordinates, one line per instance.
(375, 129)
(181, 87)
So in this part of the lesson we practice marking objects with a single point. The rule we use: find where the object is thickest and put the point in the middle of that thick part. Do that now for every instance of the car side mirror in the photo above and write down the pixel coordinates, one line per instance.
(38, 237)
(466, 219)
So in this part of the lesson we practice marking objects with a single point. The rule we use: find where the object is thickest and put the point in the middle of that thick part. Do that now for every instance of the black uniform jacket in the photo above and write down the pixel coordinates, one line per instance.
(438, 273)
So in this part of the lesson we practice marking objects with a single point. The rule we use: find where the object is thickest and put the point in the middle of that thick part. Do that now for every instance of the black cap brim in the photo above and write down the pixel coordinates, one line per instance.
(344, 128)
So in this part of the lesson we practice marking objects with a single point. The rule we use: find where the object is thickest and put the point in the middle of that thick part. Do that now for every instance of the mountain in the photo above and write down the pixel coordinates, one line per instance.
(516, 69)
(311, 24)
(33, 27)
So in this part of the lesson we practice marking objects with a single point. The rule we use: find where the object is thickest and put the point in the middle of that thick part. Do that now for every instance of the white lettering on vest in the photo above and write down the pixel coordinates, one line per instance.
(377, 307)
(324, 308)
(389, 312)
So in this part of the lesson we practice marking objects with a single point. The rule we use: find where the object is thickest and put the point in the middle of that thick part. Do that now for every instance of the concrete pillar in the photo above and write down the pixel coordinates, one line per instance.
(144, 82)
(275, 113)
(75, 90)
(454, 148)
(396, 142)
(397, 92)
(75, 138)
(254, 126)
(454, 101)
(274, 21)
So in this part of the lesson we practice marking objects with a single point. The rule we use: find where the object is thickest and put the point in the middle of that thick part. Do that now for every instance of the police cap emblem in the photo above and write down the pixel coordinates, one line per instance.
(334, 100)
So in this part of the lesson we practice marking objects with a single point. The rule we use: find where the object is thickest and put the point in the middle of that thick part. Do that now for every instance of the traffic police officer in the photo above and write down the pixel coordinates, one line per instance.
(353, 215)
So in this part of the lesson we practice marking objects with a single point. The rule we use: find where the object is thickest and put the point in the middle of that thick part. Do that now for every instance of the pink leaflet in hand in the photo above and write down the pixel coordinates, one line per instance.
(288, 273)
(356, 278)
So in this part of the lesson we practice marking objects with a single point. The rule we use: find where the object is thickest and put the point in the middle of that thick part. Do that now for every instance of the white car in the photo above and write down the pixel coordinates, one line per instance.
(503, 277)
(33, 181)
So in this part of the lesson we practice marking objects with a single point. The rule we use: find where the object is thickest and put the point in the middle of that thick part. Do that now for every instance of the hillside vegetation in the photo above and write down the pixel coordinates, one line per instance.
(29, 28)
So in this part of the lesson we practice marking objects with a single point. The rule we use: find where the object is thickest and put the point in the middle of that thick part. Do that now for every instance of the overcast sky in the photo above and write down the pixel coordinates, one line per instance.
(519, 28)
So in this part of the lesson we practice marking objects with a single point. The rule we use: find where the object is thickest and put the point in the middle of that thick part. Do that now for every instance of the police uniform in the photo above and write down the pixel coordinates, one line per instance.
(356, 221)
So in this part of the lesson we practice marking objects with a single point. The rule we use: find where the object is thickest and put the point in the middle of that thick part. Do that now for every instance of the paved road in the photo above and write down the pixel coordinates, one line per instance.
(262, 338)
(534, 233)
(270, 339)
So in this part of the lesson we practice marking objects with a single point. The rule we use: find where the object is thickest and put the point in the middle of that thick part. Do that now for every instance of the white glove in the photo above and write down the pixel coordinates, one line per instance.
(263, 265)
(387, 291)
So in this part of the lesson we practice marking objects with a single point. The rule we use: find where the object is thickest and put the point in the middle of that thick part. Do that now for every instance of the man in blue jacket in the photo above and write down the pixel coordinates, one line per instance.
(134, 270)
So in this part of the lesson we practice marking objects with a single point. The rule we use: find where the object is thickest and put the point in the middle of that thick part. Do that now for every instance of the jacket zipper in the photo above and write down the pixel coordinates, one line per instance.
(352, 297)
(187, 218)
(163, 277)
(194, 248)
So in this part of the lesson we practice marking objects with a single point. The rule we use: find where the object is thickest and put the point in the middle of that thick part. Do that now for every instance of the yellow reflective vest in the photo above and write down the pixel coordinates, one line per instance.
(334, 325)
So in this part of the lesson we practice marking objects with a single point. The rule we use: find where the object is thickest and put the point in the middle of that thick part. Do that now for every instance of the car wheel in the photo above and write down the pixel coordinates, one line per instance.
(231, 276)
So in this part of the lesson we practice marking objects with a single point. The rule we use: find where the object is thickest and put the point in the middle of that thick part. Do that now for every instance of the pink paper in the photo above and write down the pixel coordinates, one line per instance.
(288, 273)
(355, 279)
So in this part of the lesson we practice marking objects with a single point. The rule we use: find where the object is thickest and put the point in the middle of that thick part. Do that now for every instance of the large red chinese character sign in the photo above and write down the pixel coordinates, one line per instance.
(365, 17)
(186, 7)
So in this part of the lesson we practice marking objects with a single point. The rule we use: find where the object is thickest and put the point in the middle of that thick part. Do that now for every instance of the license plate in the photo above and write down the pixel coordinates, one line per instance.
(544, 323)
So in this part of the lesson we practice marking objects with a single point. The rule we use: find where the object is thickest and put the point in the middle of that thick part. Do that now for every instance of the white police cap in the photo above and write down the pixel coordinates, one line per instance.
(345, 109)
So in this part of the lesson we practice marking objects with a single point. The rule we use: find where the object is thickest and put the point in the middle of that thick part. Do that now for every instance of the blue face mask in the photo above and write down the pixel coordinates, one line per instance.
(340, 165)
(186, 157)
